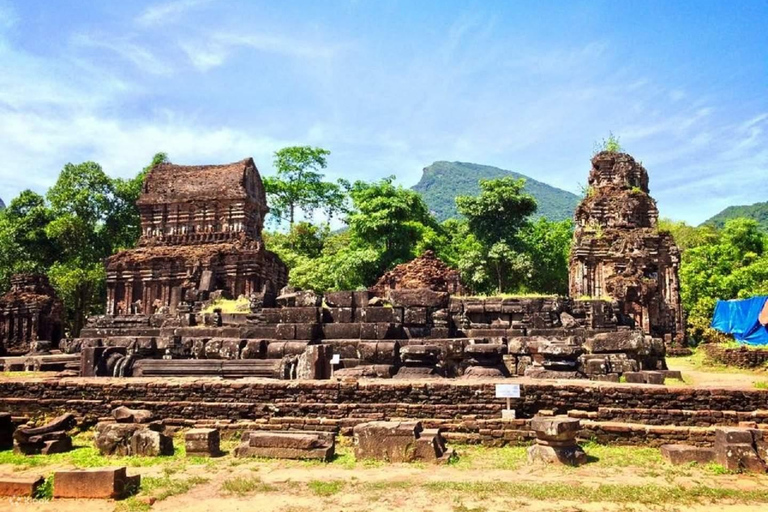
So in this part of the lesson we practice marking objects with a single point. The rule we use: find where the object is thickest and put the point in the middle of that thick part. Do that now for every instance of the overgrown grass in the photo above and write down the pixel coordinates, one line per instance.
(230, 306)
(242, 485)
(325, 488)
(761, 384)
(616, 493)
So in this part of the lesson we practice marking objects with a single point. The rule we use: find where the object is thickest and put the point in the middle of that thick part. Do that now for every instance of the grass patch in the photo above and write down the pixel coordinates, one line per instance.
(326, 488)
(165, 486)
(616, 493)
(84, 455)
(242, 485)
(761, 384)
(133, 504)
(482, 457)
(45, 491)
(230, 306)
(622, 456)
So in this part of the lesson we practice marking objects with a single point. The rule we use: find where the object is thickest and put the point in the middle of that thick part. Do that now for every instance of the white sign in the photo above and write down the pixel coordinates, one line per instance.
(336, 359)
(507, 390)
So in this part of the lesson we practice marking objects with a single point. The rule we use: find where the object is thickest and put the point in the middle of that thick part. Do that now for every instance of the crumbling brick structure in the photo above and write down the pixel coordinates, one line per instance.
(618, 251)
(201, 231)
(29, 313)
(426, 271)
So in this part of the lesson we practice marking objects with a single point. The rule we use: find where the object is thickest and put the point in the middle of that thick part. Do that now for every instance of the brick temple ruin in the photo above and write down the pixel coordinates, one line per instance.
(30, 316)
(200, 232)
(619, 252)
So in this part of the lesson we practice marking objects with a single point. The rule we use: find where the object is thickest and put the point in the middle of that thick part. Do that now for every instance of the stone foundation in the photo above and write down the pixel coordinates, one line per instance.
(466, 411)
(741, 357)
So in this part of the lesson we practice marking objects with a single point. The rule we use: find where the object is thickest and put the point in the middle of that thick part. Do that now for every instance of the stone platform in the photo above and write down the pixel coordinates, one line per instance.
(467, 411)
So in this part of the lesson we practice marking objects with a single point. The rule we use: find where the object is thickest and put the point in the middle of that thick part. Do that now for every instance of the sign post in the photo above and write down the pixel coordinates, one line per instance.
(335, 359)
(508, 391)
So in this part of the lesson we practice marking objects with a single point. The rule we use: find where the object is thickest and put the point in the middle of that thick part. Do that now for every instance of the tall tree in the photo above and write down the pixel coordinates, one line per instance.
(392, 220)
(298, 184)
(495, 216)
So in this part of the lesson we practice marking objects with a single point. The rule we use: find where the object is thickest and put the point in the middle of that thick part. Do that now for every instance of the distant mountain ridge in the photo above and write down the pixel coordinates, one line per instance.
(757, 211)
(442, 181)
(2, 204)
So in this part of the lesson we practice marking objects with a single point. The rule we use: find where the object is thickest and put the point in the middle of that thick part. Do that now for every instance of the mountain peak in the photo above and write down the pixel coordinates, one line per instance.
(442, 181)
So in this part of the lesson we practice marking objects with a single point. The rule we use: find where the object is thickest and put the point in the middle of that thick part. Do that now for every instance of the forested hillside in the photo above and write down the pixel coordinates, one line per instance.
(443, 181)
(757, 212)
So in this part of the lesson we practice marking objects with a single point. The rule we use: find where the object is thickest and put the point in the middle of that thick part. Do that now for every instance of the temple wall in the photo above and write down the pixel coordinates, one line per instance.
(467, 411)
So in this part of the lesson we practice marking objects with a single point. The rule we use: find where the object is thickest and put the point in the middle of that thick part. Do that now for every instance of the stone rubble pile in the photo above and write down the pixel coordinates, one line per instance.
(47, 439)
(132, 433)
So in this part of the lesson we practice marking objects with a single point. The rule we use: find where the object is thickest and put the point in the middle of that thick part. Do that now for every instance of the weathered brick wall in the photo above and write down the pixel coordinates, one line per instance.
(741, 357)
(468, 411)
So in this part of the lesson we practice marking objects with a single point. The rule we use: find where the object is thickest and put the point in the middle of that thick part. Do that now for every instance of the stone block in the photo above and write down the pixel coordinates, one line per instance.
(338, 315)
(394, 441)
(339, 299)
(124, 414)
(684, 454)
(382, 315)
(342, 331)
(254, 349)
(149, 443)
(97, 483)
(314, 363)
(309, 331)
(115, 438)
(420, 297)
(285, 332)
(202, 442)
(729, 435)
(739, 457)
(415, 315)
(566, 455)
(361, 298)
(287, 445)
(20, 486)
(300, 315)
(272, 315)
(617, 341)
(555, 428)
(634, 377)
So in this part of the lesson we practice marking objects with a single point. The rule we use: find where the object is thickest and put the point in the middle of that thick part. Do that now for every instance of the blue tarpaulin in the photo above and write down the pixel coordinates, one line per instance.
(740, 318)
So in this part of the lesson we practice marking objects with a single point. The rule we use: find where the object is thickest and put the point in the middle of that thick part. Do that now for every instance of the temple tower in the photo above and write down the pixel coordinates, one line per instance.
(618, 251)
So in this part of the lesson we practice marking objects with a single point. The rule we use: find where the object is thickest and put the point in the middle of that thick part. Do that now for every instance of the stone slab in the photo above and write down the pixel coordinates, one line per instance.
(685, 454)
(100, 483)
(21, 486)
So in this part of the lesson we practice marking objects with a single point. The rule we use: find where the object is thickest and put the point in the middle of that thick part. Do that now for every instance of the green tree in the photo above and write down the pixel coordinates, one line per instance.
(495, 217)
(687, 237)
(123, 222)
(548, 246)
(734, 266)
(392, 220)
(298, 184)
(81, 200)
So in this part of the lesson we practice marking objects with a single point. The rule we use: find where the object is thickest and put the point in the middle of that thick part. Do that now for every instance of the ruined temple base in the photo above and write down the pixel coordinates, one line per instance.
(465, 411)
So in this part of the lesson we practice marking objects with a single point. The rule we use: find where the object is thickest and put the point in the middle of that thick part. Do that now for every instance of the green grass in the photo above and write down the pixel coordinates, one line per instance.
(164, 487)
(242, 485)
(84, 455)
(45, 491)
(615, 493)
(761, 384)
(133, 504)
(230, 306)
(325, 488)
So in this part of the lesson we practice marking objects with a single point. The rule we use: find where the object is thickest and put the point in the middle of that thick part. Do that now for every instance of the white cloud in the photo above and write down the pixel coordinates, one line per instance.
(214, 49)
(144, 59)
(167, 12)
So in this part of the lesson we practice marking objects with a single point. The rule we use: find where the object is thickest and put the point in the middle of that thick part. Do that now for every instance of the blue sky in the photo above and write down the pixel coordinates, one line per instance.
(391, 86)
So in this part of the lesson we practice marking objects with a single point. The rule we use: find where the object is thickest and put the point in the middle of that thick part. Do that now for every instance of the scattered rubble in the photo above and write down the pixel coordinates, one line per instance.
(47, 439)
(395, 441)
